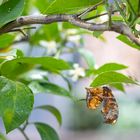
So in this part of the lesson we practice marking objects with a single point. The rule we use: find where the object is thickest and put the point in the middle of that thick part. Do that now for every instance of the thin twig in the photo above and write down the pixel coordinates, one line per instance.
(118, 27)
(110, 15)
(90, 9)
(24, 134)
(100, 15)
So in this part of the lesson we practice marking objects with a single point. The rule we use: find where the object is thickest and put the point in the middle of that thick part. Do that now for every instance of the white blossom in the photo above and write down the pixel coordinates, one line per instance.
(10, 57)
(51, 46)
(74, 38)
(77, 72)
(137, 27)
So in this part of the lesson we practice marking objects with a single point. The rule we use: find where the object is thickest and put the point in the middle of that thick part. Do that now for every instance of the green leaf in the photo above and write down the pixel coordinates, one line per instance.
(125, 39)
(62, 6)
(49, 88)
(46, 132)
(111, 78)
(88, 56)
(135, 5)
(55, 89)
(118, 86)
(16, 103)
(110, 67)
(53, 110)
(48, 32)
(14, 68)
(2, 137)
(10, 10)
(3, 1)
(97, 34)
(6, 40)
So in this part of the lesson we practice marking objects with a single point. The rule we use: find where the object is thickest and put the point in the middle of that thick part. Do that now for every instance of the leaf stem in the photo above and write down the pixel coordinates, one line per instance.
(97, 16)
(24, 134)
(90, 9)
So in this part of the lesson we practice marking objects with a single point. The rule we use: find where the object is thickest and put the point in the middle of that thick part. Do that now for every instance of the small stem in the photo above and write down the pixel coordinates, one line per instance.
(110, 16)
(90, 9)
(90, 18)
(24, 134)
(24, 127)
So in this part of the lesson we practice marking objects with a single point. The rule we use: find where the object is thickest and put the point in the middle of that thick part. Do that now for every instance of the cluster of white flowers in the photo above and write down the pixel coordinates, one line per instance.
(77, 72)
(51, 46)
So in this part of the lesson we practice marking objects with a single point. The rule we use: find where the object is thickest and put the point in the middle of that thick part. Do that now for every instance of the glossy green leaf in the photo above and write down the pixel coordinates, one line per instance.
(62, 6)
(10, 11)
(53, 110)
(110, 67)
(125, 39)
(13, 68)
(111, 78)
(6, 40)
(16, 103)
(88, 56)
(46, 132)
(46, 87)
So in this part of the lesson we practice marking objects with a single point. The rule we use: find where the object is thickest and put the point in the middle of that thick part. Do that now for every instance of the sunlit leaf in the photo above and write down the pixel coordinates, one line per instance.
(118, 86)
(111, 78)
(110, 67)
(62, 6)
(127, 41)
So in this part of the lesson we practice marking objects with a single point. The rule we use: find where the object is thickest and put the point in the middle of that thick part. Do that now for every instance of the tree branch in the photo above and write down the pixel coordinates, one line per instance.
(118, 27)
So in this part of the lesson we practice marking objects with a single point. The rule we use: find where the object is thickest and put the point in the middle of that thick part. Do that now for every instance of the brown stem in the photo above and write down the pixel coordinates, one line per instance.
(118, 27)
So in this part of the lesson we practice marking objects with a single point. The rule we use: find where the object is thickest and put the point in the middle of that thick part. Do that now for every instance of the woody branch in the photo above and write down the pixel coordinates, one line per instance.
(118, 27)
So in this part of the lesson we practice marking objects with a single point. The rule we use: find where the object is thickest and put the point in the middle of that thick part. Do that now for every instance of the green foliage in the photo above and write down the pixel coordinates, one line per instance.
(2, 137)
(112, 77)
(10, 11)
(128, 42)
(110, 67)
(46, 132)
(57, 6)
(6, 40)
(52, 110)
(13, 68)
(16, 103)
(118, 86)
(47, 87)
(21, 71)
